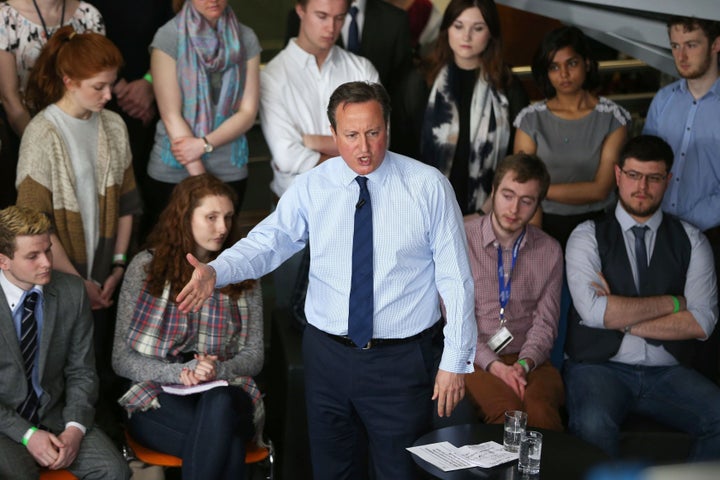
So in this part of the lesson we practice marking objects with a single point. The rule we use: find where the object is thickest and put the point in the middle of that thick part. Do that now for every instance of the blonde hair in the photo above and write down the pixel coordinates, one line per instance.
(16, 221)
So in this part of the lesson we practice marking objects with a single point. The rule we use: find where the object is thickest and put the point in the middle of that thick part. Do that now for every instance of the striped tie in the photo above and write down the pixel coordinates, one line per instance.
(28, 346)
(360, 317)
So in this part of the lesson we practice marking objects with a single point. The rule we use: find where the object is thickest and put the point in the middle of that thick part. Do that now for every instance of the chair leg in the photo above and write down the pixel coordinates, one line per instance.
(271, 460)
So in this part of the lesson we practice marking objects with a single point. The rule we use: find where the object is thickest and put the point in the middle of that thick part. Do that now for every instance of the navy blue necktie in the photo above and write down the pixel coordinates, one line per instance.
(28, 347)
(641, 259)
(360, 316)
(353, 43)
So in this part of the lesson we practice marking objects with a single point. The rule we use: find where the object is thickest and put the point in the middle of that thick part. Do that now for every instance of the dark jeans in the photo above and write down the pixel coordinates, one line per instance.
(207, 430)
(599, 396)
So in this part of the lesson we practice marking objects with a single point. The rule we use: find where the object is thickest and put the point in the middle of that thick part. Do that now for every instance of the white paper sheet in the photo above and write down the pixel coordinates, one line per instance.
(443, 455)
(181, 389)
(447, 457)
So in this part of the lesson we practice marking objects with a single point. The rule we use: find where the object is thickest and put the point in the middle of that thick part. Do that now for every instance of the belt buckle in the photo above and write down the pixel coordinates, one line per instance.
(368, 345)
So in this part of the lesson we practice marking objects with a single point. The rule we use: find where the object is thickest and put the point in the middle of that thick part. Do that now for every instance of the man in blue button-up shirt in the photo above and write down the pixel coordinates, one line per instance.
(419, 256)
(686, 114)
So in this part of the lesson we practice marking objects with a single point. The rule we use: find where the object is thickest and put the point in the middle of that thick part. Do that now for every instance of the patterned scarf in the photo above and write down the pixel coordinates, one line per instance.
(489, 133)
(202, 51)
(159, 330)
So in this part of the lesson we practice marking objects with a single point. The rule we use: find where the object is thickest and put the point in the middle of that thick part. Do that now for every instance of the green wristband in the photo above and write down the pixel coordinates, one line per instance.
(148, 78)
(676, 302)
(523, 363)
(28, 434)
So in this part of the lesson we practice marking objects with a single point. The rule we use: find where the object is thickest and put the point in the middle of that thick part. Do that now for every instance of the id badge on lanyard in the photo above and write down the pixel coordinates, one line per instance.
(503, 337)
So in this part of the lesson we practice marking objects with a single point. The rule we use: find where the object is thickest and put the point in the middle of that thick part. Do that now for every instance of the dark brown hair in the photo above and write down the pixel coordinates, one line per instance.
(647, 148)
(493, 67)
(358, 92)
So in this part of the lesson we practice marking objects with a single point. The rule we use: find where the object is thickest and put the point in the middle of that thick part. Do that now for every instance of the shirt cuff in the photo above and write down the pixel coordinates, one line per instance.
(76, 425)
(458, 363)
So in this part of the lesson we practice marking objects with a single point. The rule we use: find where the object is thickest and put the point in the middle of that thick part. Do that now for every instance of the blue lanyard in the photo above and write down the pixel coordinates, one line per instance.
(504, 288)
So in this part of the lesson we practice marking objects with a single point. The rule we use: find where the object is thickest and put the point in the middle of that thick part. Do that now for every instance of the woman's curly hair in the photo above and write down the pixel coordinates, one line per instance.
(172, 238)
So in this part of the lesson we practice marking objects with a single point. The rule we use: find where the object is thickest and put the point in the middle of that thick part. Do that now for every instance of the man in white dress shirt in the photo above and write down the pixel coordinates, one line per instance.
(294, 89)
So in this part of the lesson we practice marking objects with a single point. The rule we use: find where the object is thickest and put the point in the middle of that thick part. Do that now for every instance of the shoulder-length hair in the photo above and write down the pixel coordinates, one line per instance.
(492, 66)
(557, 40)
(78, 56)
(172, 237)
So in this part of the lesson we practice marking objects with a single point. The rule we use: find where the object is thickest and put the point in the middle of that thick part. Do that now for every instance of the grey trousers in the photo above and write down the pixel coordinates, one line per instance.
(97, 459)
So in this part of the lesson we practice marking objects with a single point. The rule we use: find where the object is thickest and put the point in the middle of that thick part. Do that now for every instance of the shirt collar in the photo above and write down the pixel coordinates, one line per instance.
(307, 60)
(14, 294)
(714, 89)
(627, 222)
(377, 176)
(488, 234)
(360, 4)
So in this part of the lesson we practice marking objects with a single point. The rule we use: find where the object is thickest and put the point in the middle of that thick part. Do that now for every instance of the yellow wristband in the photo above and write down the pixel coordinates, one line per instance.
(676, 302)
(28, 434)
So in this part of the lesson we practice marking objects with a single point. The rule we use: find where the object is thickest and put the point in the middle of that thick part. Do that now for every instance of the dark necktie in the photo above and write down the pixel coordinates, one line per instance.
(28, 347)
(360, 317)
(353, 43)
(641, 259)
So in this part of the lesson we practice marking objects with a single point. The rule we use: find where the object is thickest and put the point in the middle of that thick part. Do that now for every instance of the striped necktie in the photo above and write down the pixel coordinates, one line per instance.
(28, 347)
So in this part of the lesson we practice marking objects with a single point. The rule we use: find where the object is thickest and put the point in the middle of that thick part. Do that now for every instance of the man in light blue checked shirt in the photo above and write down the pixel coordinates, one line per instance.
(385, 389)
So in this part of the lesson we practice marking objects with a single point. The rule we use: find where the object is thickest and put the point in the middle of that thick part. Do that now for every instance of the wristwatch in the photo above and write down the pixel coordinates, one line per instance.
(208, 146)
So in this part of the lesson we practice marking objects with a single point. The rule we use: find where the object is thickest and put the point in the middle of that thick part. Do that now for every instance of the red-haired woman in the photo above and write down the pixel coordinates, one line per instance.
(467, 124)
(75, 165)
(75, 161)
(157, 344)
(25, 26)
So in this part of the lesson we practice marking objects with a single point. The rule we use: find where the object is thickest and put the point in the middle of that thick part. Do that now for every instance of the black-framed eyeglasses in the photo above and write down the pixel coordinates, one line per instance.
(638, 177)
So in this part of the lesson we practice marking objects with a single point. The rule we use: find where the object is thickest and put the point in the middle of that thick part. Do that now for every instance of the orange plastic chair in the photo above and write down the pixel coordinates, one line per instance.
(253, 454)
(56, 475)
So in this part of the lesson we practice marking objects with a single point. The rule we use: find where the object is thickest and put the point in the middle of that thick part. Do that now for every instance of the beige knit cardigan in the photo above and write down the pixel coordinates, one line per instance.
(46, 181)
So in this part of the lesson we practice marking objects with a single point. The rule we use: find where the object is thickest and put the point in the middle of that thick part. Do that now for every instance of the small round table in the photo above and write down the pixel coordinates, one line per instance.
(563, 456)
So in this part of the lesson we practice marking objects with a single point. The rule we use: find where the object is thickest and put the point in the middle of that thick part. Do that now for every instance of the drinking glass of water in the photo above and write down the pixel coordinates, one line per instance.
(530, 450)
(515, 422)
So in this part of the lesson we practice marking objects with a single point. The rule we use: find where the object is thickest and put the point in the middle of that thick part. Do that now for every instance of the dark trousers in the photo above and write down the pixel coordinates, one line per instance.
(358, 401)
(207, 430)
(599, 396)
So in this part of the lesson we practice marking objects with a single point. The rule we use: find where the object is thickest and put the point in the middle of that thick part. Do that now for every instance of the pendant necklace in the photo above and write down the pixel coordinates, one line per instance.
(42, 20)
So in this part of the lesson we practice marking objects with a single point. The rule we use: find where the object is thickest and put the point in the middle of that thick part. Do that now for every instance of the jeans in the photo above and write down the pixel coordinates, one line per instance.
(600, 396)
(207, 430)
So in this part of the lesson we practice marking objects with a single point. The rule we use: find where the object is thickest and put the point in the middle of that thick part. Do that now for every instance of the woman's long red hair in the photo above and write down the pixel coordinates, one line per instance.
(78, 56)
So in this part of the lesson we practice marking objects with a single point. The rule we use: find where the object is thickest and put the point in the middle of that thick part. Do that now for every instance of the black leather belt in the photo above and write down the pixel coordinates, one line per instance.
(378, 342)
